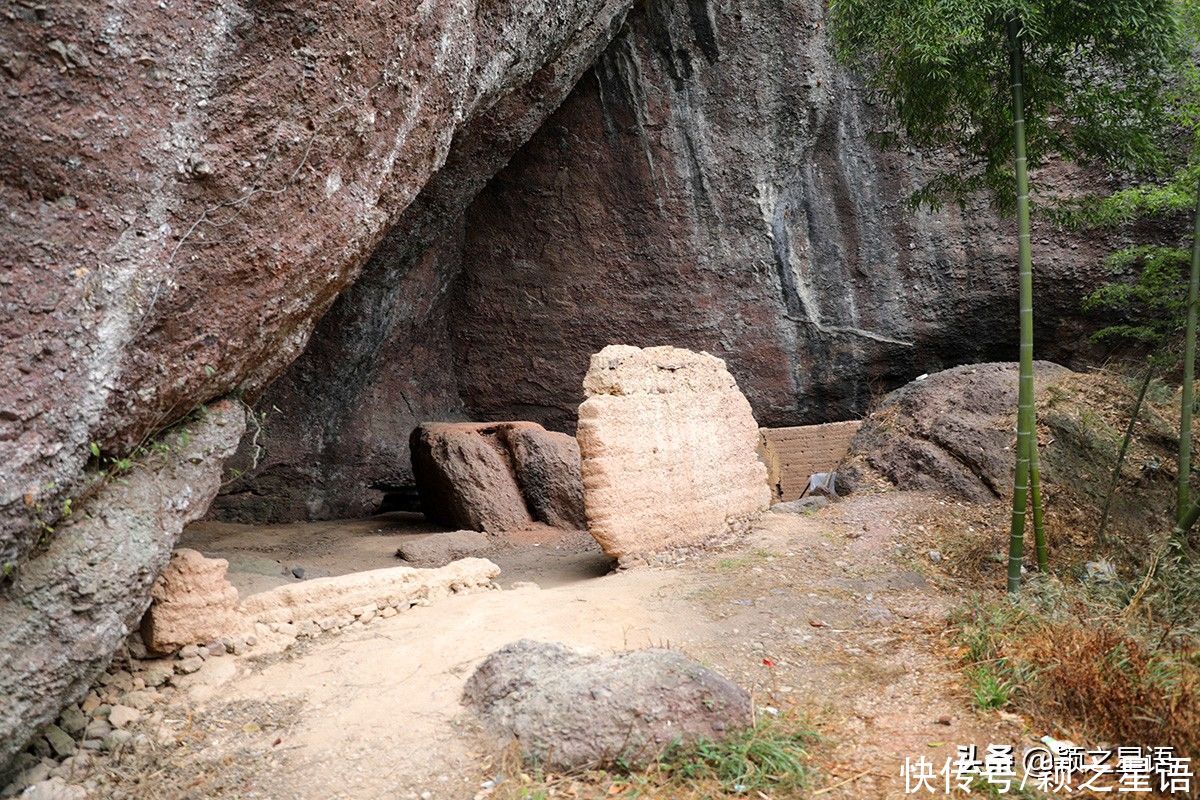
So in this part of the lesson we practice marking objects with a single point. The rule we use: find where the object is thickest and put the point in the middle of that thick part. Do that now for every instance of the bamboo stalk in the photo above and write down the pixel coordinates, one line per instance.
(1112, 486)
(1035, 499)
(1025, 411)
(1183, 494)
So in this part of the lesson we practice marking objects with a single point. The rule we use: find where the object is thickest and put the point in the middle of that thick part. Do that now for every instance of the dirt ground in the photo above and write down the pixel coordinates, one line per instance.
(838, 614)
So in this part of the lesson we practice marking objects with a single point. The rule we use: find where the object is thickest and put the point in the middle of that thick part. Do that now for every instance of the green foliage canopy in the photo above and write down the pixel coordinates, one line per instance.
(1096, 75)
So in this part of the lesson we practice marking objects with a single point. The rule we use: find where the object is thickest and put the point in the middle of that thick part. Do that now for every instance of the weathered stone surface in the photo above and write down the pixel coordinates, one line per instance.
(172, 174)
(668, 448)
(465, 475)
(567, 710)
(192, 604)
(497, 476)
(439, 549)
(73, 604)
(547, 469)
(713, 184)
(321, 598)
(952, 432)
(512, 64)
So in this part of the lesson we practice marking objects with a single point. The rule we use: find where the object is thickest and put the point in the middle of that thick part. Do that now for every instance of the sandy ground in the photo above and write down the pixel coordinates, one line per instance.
(844, 604)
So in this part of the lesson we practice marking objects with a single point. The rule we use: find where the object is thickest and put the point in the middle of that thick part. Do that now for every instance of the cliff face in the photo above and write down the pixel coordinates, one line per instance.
(714, 183)
(188, 189)
(711, 183)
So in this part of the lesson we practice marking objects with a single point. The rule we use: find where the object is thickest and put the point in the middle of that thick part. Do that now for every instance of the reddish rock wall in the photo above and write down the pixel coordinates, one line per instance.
(188, 188)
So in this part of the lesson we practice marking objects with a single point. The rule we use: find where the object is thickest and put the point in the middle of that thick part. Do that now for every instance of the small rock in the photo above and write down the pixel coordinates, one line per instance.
(90, 703)
(137, 647)
(189, 665)
(123, 716)
(158, 674)
(35, 774)
(388, 612)
(944, 719)
(116, 739)
(120, 680)
(54, 789)
(935, 556)
(60, 741)
(190, 651)
(97, 729)
(298, 572)
(141, 700)
(73, 720)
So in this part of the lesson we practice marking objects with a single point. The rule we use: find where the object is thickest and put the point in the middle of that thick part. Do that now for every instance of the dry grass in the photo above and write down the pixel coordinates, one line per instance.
(1078, 675)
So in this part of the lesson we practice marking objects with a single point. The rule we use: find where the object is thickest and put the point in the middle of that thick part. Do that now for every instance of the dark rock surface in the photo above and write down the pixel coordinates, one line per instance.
(547, 466)
(187, 190)
(497, 476)
(567, 710)
(953, 431)
(466, 478)
(712, 184)
(74, 602)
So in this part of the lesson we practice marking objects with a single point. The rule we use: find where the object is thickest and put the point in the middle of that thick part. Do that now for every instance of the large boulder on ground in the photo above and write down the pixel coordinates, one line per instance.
(955, 431)
(496, 476)
(668, 444)
(952, 431)
(191, 603)
(567, 710)
(72, 604)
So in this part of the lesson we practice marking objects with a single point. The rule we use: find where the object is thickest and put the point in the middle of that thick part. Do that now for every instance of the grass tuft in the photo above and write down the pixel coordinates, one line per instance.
(770, 758)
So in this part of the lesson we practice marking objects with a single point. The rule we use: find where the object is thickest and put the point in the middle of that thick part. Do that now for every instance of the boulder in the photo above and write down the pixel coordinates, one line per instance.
(952, 431)
(191, 603)
(547, 469)
(568, 710)
(71, 606)
(465, 476)
(668, 446)
(497, 476)
(439, 549)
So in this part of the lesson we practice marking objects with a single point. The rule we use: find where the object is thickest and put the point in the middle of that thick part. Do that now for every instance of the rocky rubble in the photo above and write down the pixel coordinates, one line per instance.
(72, 605)
(569, 710)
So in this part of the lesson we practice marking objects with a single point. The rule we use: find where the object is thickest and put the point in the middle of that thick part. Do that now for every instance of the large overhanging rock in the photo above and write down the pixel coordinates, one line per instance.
(74, 602)
(668, 444)
(187, 189)
(569, 710)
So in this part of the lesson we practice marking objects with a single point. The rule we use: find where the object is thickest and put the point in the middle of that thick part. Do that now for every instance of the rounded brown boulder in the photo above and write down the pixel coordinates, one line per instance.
(569, 710)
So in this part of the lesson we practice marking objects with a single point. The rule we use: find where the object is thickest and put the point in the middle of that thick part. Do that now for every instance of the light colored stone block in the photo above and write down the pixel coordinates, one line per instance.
(668, 445)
